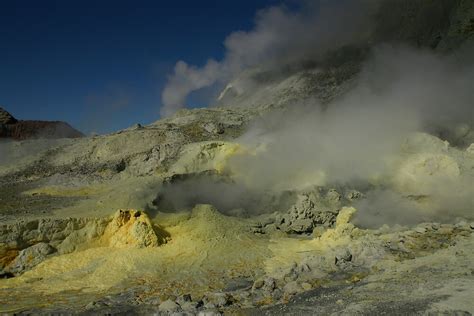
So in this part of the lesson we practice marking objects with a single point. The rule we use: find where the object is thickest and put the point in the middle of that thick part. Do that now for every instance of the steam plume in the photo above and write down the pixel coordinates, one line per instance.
(399, 92)
(280, 36)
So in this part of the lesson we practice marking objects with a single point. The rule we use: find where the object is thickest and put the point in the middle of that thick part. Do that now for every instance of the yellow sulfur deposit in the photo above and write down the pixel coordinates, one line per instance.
(204, 249)
(203, 156)
(130, 228)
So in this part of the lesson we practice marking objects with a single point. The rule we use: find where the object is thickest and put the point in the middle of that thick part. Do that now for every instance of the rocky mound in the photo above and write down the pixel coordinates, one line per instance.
(24, 245)
(6, 118)
(20, 130)
(131, 228)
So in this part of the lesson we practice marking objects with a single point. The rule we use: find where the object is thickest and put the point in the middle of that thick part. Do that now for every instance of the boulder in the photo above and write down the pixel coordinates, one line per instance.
(30, 257)
(292, 288)
(216, 299)
(168, 306)
(309, 211)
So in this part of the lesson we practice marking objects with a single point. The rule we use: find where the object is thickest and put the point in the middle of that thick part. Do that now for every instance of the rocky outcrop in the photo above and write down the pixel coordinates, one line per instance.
(314, 208)
(24, 245)
(6, 118)
(20, 130)
(131, 228)
(38, 129)
(30, 257)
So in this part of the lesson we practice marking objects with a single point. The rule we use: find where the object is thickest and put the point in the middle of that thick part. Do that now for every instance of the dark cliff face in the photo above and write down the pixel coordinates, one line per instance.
(19, 130)
(442, 25)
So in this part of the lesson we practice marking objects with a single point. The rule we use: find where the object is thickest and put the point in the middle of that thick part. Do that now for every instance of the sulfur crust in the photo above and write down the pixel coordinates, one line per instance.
(202, 249)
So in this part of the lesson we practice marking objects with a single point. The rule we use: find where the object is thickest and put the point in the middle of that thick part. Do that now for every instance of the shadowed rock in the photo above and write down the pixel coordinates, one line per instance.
(6, 118)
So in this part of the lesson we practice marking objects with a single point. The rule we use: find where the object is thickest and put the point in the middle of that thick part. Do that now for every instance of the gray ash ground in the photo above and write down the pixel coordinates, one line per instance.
(15, 204)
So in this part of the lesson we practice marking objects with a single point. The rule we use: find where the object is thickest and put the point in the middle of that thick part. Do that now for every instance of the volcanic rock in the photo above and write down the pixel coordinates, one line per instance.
(168, 306)
(20, 130)
(30, 257)
(216, 300)
(309, 211)
(131, 228)
(292, 288)
(25, 234)
(6, 118)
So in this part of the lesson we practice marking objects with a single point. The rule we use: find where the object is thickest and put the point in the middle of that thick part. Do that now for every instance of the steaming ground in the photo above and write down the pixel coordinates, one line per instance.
(336, 204)
(339, 204)
(284, 234)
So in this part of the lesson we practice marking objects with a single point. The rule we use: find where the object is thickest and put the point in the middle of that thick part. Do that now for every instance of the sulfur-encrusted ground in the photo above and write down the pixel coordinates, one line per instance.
(234, 210)
(306, 257)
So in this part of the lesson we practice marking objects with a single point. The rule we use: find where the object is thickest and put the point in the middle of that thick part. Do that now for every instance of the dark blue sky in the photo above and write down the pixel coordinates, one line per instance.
(101, 65)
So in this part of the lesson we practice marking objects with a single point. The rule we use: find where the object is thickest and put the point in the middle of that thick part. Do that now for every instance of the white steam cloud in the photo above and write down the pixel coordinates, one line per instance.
(358, 137)
(355, 141)
(280, 36)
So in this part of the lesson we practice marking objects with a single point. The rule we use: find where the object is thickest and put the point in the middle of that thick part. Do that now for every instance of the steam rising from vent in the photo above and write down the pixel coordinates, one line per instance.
(362, 140)
(280, 36)
(399, 92)
(358, 139)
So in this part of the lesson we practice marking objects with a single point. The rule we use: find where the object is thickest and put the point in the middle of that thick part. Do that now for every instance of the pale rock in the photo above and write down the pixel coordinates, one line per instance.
(292, 288)
(209, 313)
(80, 237)
(420, 230)
(258, 284)
(30, 257)
(95, 305)
(189, 306)
(303, 268)
(470, 149)
(462, 225)
(213, 128)
(446, 229)
(306, 286)
(216, 299)
(168, 306)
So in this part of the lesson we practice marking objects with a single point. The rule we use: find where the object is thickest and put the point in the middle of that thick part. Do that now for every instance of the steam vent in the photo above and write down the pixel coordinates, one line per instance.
(331, 172)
